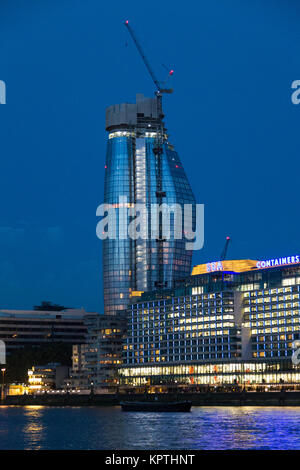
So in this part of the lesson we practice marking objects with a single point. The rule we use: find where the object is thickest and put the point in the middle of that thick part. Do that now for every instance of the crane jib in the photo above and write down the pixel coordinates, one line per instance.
(146, 62)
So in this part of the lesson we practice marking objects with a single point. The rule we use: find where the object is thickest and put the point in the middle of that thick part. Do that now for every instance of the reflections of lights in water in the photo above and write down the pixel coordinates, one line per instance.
(38, 427)
(33, 429)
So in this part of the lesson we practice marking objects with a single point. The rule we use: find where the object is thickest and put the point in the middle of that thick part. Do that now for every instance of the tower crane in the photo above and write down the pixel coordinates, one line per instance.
(157, 149)
(158, 84)
(224, 252)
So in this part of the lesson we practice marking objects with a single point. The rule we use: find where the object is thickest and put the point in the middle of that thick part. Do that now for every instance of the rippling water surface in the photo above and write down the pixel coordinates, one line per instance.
(37, 427)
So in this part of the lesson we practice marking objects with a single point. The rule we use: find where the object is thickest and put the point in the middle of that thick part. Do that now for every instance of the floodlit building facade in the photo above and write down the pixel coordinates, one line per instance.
(47, 377)
(229, 322)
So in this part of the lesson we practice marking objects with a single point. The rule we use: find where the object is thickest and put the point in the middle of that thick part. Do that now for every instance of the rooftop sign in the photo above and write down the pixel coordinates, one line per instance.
(236, 265)
(272, 263)
(242, 265)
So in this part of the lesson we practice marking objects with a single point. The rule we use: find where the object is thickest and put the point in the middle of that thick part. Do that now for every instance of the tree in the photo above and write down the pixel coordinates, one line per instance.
(21, 360)
(49, 306)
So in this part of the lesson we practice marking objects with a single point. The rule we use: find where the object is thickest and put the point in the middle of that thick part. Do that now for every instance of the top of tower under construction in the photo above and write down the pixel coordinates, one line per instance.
(131, 115)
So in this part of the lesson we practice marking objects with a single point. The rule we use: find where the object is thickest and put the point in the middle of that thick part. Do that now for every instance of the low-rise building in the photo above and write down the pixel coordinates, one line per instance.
(16, 389)
(47, 377)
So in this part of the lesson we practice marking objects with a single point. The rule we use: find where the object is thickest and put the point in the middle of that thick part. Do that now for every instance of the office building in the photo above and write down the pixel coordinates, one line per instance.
(229, 322)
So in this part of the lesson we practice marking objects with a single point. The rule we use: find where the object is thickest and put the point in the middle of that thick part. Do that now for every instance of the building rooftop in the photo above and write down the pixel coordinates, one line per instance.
(67, 314)
(236, 265)
(223, 275)
(125, 115)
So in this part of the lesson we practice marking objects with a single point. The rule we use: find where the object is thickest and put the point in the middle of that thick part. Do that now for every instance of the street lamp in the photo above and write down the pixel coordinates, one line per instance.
(3, 373)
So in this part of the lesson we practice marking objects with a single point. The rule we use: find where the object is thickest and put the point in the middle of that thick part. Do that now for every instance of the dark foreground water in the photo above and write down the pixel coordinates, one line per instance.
(37, 427)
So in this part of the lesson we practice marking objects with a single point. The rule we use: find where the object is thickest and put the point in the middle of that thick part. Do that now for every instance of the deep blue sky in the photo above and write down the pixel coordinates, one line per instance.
(230, 118)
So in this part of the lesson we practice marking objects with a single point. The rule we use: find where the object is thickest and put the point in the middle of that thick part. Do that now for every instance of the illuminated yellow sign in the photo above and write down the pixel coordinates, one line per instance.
(236, 266)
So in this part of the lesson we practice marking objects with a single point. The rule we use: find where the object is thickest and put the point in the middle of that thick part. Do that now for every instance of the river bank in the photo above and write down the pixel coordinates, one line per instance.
(282, 398)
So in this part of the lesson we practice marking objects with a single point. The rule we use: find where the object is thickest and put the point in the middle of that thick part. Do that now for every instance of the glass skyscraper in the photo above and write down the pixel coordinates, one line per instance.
(142, 167)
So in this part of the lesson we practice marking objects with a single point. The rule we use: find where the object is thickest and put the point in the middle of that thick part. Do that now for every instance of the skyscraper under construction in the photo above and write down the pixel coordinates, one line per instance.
(142, 167)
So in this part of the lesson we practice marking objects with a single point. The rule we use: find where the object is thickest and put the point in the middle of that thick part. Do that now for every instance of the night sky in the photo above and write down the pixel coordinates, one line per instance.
(230, 118)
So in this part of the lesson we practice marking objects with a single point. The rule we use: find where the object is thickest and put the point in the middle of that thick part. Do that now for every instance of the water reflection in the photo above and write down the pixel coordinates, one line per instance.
(33, 430)
(37, 427)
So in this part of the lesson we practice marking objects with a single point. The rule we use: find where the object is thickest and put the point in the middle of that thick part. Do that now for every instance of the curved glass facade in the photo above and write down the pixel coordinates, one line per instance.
(131, 173)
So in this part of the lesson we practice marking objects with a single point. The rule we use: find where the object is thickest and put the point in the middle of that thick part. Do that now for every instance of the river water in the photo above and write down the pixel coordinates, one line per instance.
(108, 428)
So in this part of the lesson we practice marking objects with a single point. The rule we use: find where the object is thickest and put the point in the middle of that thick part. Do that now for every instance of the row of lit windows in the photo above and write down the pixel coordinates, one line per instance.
(169, 345)
(199, 326)
(187, 343)
(273, 308)
(276, 329)
(266, 319)
(182, 300)
(273, 321)
(193, 357)
(274, 299)
(188, 369)
(183, 322)
(277, 290)
(183, 351)
(112, 135)
(189, 317)
(181, 309)
(216, 380)
(174, 319)
(272, 354)
(196, 334)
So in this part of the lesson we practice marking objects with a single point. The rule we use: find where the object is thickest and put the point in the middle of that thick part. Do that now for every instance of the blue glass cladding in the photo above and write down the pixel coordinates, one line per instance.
(118, 276)
(122, 271)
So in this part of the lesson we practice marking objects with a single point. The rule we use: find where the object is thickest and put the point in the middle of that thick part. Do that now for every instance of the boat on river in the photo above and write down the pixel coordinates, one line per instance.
(160, 406)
